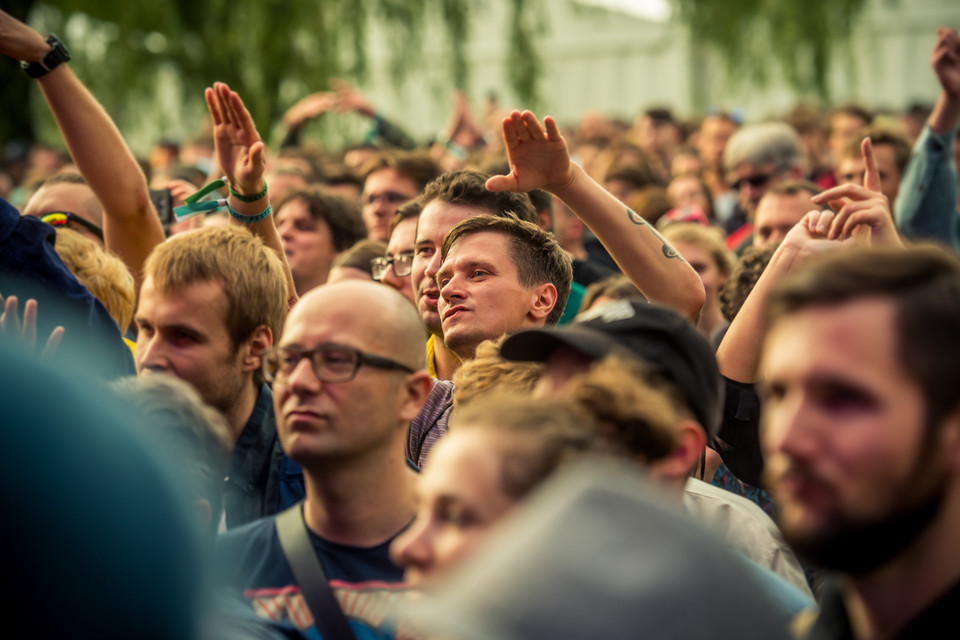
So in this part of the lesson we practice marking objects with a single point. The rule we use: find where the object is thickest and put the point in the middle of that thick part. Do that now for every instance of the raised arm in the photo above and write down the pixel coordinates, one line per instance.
(863, 218)
(927, 202)
(539, 159)
(130, 225)
(240, 153)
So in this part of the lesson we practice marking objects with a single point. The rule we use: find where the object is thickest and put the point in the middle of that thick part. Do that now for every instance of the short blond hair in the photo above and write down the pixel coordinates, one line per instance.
(251, 275)
(489, 373)
(102, 273)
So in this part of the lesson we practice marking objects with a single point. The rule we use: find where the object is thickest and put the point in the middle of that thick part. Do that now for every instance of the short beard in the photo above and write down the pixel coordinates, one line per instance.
(856, 546)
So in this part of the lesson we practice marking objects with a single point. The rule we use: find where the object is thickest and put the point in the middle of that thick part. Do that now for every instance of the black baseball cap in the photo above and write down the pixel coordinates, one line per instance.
(661, 338)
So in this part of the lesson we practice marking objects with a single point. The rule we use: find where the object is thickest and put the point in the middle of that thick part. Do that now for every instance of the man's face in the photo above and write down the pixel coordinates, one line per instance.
(687, 191)
(851, 169)
(402, 241)
(66, 197)
(319, 421)
(703, 263)
(777, 214)
(844, 434)
(307, 243)
(714, 134)
(843, 128)
(383, 192)
(481, 297)
(460, 498)
(435, 221)
(185, 334)
(752, 181)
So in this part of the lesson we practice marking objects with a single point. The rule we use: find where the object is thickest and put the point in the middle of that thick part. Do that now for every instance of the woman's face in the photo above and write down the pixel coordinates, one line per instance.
(460, 498)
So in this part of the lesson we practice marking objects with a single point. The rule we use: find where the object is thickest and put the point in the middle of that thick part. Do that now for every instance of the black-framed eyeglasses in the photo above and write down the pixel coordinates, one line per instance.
(402, 265)
(756, 181)
(65, 219)
(330, 362)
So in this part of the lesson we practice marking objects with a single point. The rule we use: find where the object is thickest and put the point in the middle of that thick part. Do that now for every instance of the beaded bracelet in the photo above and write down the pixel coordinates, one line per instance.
(257, 217)
(253, 198)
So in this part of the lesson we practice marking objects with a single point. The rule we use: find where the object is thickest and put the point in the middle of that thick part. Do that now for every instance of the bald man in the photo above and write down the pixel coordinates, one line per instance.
(348, 376)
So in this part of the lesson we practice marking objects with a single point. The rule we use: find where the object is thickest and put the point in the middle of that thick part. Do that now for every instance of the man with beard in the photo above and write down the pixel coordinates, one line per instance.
(862, 435)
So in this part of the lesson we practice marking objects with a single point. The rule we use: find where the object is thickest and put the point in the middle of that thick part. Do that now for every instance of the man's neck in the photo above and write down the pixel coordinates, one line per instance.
(238, 413)
(711, 317)
(881, 603)
(361, 503)
(445, 360)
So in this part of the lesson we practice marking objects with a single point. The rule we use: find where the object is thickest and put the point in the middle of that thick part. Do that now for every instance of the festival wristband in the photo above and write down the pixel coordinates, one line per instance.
(253, 198)
(216, 184)
(257, 217)
(194, 208)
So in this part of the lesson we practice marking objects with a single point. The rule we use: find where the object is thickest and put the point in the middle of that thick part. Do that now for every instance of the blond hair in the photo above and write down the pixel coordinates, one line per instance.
(102, 273)
(251, 275)
(489, 373)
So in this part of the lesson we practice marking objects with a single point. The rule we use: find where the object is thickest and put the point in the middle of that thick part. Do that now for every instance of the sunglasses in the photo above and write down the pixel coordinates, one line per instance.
(67, 219)
(755, 181)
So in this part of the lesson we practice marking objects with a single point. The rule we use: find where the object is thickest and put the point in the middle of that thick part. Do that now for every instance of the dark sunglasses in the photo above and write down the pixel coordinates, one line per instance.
(66, 219)
(755, 181)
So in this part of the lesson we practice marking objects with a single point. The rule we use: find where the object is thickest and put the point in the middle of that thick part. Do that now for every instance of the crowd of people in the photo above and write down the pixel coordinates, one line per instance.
(671, 378)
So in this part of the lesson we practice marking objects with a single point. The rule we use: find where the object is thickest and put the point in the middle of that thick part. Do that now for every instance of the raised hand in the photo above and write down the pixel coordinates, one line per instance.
(538, 155)
(349, 98)
(860, 207)
(26, 333)
(945, 61)
(310, 107)
(240, 151)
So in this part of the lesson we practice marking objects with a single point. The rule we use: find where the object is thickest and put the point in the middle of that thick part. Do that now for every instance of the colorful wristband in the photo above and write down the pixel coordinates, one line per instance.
(257, 217)
(253, 198)
(191, 209)
(209, 187)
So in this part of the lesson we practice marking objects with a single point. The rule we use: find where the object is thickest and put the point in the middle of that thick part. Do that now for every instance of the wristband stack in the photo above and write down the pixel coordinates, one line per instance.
(249, 219)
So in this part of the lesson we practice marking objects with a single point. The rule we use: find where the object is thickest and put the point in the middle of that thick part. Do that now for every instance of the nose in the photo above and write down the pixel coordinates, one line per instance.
(391, 278)
(151, 355)
(452, 289)
(433, 266)
(413, 549)
(302, 379)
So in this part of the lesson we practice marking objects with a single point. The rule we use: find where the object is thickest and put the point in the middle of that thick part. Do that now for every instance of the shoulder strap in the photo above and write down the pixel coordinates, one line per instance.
(307, 571)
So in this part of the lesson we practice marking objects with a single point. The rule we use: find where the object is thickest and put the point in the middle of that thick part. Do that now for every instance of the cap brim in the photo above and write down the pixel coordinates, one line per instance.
(537, 345)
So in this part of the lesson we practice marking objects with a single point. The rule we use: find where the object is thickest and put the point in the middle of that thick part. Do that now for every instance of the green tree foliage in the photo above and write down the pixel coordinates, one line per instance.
(760, 37)
(272, 51)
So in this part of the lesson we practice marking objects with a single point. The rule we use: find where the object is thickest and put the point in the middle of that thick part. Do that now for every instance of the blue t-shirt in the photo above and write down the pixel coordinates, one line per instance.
(366, 583)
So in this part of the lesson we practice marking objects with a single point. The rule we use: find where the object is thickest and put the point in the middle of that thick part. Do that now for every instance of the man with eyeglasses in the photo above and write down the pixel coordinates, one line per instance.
(348, 376)
(390, 179)
(395, 267)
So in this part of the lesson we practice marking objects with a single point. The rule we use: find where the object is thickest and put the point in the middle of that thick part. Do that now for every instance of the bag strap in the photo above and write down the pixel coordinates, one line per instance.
(308, 572)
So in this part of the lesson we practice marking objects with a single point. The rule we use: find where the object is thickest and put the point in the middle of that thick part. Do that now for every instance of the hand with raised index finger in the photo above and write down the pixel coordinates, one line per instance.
(862, 206)
(240, 151)
(538, 155)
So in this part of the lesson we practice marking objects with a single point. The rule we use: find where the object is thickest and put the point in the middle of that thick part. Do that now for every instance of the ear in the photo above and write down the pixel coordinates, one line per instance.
(415, 390)
(691, 441)
(544, 301)
(260, 341)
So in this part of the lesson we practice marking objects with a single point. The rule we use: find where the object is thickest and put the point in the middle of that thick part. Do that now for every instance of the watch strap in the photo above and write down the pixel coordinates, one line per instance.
(56, 56)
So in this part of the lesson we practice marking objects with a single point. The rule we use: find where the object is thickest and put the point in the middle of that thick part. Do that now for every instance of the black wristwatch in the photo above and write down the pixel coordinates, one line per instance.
(57, 55)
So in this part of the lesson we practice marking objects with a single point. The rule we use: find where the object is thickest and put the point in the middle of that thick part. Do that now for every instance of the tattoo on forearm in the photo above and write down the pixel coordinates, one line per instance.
(637, 219)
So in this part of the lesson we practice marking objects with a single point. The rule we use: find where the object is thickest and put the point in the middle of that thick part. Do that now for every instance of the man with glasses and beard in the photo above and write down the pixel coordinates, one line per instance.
(861, 435)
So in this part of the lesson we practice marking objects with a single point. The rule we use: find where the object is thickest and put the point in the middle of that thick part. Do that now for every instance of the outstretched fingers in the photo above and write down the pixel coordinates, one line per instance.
(213, 106)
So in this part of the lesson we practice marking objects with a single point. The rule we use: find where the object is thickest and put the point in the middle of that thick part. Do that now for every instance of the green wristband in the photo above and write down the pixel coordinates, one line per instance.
(254, 198)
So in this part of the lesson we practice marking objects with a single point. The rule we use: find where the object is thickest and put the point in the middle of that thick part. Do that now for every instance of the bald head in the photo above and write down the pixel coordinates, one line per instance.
(379, 317)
